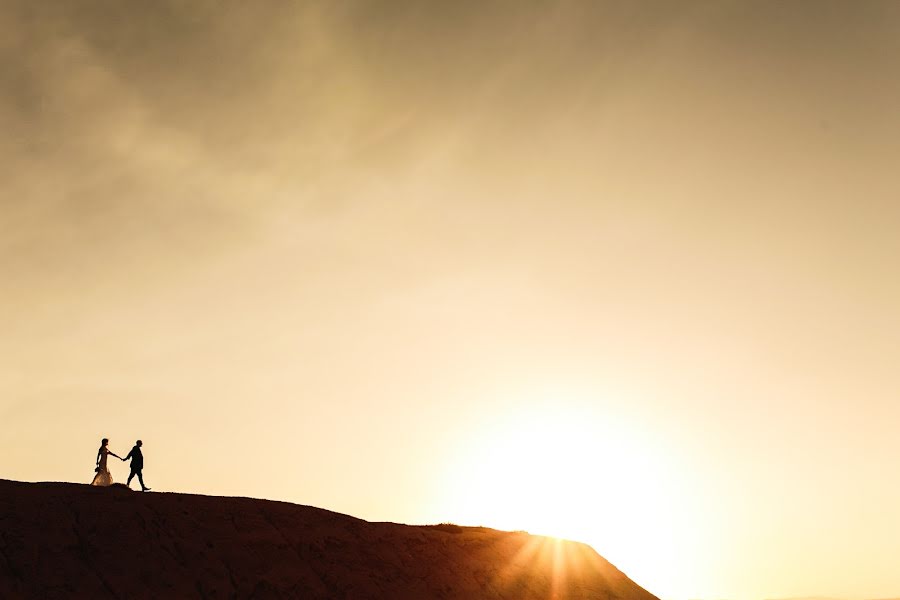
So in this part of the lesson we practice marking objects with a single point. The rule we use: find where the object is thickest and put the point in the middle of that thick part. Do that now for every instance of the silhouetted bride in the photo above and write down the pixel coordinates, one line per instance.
(103, 476)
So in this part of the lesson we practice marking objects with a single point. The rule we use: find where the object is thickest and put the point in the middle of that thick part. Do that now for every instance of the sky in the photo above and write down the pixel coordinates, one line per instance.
(623, 272)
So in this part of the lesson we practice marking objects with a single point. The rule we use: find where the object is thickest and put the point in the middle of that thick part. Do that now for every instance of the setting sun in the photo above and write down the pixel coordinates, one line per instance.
(572, 473)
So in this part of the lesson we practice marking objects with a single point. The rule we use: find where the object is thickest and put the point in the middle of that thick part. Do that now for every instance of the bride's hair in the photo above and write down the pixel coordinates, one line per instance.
(104, 442)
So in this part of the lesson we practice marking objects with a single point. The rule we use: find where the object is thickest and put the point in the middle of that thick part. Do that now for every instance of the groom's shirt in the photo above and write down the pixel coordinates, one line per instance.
(137, 458)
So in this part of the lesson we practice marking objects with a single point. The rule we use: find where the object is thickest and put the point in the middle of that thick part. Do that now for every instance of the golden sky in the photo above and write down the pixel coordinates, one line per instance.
(619, 271)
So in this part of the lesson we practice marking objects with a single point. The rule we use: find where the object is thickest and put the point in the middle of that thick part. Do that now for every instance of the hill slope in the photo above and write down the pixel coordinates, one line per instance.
(60, 540)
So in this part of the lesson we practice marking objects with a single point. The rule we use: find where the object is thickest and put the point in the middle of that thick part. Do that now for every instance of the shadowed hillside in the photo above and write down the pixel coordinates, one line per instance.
(60, 540)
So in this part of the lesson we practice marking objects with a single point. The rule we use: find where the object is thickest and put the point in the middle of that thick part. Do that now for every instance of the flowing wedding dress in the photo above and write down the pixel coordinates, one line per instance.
(103, 476)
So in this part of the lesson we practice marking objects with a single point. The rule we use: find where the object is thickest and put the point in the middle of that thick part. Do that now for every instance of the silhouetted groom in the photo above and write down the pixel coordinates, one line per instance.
(137, 465)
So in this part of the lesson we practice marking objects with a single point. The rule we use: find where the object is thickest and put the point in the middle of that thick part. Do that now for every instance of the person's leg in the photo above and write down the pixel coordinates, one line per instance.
(140, 475)
(130, 477)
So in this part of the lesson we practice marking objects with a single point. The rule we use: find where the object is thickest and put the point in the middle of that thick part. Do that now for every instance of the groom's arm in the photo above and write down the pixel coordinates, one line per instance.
(129, 454)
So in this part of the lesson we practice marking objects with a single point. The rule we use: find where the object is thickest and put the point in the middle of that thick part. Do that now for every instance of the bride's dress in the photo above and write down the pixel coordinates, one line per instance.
(103, 476)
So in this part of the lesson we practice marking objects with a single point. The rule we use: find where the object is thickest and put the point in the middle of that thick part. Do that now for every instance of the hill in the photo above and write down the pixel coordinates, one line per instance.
(61, 540)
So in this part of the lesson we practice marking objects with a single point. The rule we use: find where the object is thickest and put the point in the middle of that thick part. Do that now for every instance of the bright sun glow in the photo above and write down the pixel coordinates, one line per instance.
(572, 475)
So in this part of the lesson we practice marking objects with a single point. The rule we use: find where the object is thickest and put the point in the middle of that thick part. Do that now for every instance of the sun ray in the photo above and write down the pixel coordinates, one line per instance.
(572, 475)
(569, 567)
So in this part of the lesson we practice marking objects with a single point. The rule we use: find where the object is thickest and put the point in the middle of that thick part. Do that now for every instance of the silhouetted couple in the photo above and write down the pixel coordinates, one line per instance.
(104, 477)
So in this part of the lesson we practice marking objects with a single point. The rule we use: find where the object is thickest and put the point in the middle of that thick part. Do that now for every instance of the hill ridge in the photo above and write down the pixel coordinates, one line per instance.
(64, 540)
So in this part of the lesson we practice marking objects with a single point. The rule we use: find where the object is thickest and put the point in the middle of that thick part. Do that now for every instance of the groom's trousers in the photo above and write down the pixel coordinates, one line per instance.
(140, 477)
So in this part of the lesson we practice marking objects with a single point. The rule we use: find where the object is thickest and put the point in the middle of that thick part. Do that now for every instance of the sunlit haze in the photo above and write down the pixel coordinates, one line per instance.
(620, 272)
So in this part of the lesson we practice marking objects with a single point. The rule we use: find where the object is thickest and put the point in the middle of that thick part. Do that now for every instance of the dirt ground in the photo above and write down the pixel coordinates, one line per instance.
(62, 540)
